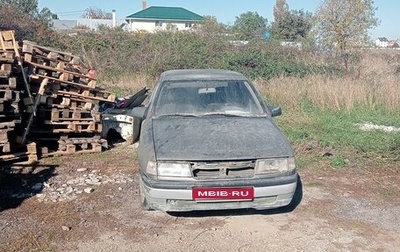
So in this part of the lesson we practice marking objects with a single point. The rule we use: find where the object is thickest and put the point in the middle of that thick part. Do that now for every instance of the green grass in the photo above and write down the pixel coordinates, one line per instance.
(338, 161)
(388, 192)
(340, 131)
(301, 162)
(316, 184)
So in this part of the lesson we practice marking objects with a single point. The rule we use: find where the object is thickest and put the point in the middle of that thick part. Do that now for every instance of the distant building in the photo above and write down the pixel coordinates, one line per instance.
(148, 19)
(381, 42)
(86, 23)
(296, 45)
(63, 25)
(393, 44)
(385, 43)
(157, 18)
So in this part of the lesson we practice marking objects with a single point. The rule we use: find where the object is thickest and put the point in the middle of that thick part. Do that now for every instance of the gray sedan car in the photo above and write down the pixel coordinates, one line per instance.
(208, 142)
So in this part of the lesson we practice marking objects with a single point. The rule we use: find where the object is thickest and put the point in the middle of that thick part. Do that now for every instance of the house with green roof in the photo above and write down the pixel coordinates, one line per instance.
(156, 18)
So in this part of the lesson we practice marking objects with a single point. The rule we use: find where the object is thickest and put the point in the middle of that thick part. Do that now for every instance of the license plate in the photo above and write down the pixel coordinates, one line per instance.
(223, 193)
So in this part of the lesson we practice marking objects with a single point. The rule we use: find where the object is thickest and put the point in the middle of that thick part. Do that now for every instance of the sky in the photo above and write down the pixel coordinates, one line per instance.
(225, 11)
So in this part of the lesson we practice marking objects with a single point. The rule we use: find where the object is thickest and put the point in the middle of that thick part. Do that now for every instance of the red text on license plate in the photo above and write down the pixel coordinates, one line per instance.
(223, 193)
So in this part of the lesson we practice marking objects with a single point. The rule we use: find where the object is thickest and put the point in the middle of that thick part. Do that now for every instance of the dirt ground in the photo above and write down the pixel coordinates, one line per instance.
(90, 203)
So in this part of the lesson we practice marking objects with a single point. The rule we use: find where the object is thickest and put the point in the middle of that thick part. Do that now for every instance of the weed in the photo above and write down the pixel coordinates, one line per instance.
(301, 162)
(338, 161)
(315, 184)
(388, 192)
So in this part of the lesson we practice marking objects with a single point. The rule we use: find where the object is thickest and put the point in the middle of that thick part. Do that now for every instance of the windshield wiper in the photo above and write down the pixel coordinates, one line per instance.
(226, 114)
(178, 114)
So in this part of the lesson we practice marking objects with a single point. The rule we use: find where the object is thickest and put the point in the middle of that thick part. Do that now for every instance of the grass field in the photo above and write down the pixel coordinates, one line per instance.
(325, 112)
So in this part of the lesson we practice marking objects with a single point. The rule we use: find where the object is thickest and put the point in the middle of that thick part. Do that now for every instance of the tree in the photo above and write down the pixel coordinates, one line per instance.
(344, 24)
(280, 10)
(210, 25)
(250, 25)
(24, 17)
(25, 6)
(96, 13)
(29, 7)
(292, 25)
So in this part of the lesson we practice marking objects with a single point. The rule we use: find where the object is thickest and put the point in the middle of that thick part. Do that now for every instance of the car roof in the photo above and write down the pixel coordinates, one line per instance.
(201, 74)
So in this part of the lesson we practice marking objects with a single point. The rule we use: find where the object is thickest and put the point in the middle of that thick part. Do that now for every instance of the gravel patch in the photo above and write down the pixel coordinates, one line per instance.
(71, 188)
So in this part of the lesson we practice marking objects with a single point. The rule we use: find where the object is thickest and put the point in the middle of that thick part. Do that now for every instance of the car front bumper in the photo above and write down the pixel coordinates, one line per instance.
(176, 196)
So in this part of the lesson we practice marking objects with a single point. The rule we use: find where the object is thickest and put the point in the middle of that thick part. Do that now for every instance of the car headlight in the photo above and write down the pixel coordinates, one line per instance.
(151, 168)
(168, 170)
(275, 165)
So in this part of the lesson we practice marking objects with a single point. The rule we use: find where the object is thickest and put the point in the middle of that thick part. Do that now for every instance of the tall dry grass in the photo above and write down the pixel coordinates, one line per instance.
(374, 84)
(129, 84)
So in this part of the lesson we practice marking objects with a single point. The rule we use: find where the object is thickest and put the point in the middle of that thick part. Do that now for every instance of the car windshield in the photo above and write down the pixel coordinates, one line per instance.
(198, 98)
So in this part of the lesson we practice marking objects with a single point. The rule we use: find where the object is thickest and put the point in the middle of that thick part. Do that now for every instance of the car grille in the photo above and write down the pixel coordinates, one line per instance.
(237, 169)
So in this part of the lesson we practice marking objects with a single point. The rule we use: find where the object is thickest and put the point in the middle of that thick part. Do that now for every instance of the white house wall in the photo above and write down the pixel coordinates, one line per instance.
(379, 43)
(151, 26)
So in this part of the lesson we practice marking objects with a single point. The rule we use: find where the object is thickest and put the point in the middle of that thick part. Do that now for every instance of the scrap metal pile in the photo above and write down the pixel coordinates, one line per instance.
(48, 103)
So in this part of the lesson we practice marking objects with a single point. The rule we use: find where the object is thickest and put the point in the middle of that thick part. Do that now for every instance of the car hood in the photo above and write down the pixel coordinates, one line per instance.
(218, 138)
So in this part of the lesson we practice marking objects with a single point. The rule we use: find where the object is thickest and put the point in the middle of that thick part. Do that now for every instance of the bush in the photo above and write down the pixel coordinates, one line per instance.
(26, 26)
(114, 52)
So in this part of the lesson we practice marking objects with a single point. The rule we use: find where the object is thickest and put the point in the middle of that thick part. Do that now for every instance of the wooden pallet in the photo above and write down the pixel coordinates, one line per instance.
(6, 130)
(62, 74)
(8, 117)
(7, 40)
(75, 146)
(5, 147)
(9, 101)
(53, 62)
(56, 85)
(31, 49)
(87, 95)
(63, 102)
(4, 138)
(66, 114)
(67, 127)
(5, 94)
(41, 137)
(55, 106)
(9, 95)
(9, 108)
(83, 144)
(66, 80)
(8, 83)
(5, 69)
(7, 125)
(7, 56)
(74, 115)
(26, 154)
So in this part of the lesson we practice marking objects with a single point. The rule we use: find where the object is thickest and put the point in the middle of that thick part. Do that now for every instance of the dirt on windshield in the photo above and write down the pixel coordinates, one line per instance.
(91, 203)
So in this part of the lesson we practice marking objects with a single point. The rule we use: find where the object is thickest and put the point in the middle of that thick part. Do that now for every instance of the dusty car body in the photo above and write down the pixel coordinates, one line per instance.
(208, 142)
(117, 120)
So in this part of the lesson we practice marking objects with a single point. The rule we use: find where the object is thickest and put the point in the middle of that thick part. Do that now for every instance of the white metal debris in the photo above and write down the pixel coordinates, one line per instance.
(371, 127)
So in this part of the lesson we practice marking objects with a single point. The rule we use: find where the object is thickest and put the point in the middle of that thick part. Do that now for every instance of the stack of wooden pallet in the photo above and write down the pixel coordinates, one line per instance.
(67, 119)
(10, 96)
(48, 102)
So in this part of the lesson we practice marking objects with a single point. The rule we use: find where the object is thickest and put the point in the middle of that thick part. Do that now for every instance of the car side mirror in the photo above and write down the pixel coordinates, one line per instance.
(275, 110)
(138, 112)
